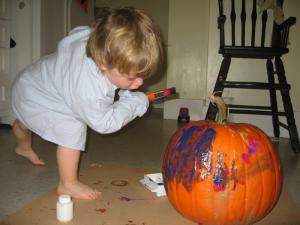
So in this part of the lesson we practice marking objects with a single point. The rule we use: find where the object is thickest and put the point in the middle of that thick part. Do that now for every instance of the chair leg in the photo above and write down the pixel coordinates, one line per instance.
(287, 104)
(273, 99)
(218, 89)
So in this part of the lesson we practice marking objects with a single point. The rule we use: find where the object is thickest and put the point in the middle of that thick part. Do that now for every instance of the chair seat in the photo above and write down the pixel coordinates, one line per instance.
(252, 52)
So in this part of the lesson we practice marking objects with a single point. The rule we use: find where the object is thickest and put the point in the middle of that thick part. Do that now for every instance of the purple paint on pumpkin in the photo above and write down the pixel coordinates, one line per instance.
(253, 146)
(245, 157)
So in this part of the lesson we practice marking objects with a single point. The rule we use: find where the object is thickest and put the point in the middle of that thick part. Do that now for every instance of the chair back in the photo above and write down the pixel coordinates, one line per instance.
(278, 33)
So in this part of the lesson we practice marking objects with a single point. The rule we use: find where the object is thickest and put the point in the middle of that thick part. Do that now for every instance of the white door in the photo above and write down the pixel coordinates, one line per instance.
(19, 20)
(5, 20)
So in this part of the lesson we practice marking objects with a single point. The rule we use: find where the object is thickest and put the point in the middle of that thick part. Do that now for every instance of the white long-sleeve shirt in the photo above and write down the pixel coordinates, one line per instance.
(62, 93)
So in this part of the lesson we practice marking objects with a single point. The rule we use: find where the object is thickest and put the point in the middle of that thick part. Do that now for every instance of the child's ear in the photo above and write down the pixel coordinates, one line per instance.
(103, 67)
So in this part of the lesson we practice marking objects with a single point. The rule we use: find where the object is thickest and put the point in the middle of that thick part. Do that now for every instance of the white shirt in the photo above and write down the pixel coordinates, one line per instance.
(62, 93)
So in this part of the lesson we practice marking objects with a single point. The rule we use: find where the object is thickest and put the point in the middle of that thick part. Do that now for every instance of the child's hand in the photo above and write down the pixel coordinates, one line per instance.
(137, 99)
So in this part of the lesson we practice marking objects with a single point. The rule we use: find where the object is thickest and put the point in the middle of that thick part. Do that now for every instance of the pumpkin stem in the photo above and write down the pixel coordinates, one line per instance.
(222, 108)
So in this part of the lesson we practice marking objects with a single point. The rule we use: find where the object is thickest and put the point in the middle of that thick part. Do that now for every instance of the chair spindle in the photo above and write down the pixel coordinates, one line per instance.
(233, 19)
(243, 22)
(253, 20)
(264, 18)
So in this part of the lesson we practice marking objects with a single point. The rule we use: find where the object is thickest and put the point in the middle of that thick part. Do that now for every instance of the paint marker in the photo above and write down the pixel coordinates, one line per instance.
(152, 96)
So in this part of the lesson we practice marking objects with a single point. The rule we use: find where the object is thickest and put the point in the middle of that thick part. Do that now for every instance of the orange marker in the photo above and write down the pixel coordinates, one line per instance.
(161, 94)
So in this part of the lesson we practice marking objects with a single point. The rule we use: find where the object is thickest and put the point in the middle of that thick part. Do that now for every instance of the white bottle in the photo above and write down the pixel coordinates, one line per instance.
(64, 208)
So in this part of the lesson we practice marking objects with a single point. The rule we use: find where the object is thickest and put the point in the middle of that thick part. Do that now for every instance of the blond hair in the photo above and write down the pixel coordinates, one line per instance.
(126, 39)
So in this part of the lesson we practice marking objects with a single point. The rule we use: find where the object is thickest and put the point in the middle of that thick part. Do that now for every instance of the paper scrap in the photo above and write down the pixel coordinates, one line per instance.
(154, 183)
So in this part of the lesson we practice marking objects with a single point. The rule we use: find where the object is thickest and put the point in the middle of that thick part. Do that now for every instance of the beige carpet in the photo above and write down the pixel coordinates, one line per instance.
(126, 202)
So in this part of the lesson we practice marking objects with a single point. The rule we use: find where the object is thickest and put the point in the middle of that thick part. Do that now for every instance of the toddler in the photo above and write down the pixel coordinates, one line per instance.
(60, 95)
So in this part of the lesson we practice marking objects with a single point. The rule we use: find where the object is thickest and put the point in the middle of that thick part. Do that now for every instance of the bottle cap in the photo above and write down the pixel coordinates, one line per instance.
(64, 198)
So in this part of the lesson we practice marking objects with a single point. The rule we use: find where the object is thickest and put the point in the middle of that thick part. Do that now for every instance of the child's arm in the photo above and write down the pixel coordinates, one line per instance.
(104, 116)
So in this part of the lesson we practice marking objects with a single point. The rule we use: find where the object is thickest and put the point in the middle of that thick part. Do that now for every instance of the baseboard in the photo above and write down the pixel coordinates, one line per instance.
(197, 111)
(196, 108)
(157, 105)
(7, 120)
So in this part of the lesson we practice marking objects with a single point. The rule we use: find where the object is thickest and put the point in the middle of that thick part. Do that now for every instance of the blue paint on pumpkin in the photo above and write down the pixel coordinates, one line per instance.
(187, 154)
(219, 177)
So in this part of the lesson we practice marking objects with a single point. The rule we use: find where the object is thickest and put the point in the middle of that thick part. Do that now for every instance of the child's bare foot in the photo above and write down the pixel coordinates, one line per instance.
(31, 155)
(78, 190)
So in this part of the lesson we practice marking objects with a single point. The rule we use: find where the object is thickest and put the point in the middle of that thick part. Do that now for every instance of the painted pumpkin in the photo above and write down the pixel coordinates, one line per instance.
(221, 173)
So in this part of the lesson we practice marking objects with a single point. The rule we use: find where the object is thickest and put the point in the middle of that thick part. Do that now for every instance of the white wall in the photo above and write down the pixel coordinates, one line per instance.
(56, 19)
(187, 47)
(52, 24)
(292, 66)
(188, 35)
(78, 17)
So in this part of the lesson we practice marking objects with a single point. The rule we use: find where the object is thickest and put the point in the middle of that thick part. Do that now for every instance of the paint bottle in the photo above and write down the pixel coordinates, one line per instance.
(64, 208)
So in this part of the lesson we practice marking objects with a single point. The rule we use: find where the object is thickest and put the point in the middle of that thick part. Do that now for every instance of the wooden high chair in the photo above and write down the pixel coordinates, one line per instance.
(276, 79)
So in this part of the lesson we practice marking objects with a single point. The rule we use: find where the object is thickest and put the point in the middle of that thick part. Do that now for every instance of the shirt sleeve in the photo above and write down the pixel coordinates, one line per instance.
(106, 116)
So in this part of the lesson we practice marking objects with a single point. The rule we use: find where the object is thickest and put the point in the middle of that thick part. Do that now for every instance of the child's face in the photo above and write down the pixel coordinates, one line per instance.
(123, 81)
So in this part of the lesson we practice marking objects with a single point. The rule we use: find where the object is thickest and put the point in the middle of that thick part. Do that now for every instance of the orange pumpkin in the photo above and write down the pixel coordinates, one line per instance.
(222, 173)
